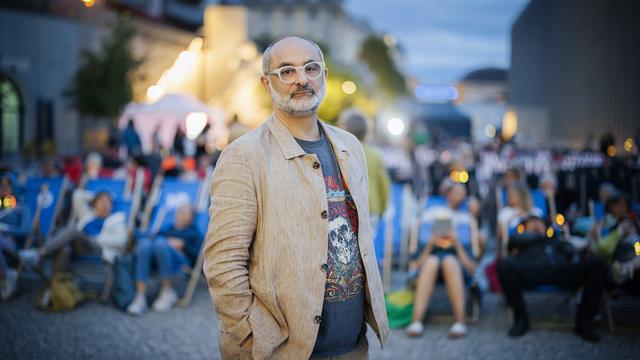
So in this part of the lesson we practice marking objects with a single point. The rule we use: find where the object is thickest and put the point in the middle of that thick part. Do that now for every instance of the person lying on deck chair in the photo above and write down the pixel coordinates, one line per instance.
(98, 230)
(538, 259)
(175, 247)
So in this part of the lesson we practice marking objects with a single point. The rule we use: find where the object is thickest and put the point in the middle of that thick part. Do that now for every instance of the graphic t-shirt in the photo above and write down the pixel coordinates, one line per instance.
(342, 324)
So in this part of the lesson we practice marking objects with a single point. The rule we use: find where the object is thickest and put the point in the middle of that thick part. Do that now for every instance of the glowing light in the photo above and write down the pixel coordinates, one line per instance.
(560, 219)
(390, 40)
(611, 151)
(436, 93)
(396, 126)
(520, 229)
(89, 3)
(195, 122)
(459, 176)
(628, 144)
(490, 131)
(9, 202)
(509, 125)
(636, 246)
(349, 87)
(549, 232)
(154, 92)
(463, 177)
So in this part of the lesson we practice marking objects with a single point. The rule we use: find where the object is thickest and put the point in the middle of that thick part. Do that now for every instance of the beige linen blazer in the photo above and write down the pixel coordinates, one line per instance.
(267, 242)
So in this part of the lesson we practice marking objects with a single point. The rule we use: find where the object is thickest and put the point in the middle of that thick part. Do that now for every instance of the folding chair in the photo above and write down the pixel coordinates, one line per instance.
(127, 203)
(119, 188)
(392, 235)
(165, 194)
(202, 221)
(438, 200)
(44, 197)
(466, 229)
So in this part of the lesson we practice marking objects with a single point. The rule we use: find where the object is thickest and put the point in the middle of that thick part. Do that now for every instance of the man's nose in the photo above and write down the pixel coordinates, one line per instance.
(301, 79)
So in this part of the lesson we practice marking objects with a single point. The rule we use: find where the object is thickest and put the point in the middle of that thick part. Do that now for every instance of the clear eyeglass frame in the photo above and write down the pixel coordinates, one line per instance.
(298, 69)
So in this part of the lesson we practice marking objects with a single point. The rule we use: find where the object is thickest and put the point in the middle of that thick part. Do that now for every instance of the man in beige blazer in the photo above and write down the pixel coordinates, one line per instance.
(289, 257)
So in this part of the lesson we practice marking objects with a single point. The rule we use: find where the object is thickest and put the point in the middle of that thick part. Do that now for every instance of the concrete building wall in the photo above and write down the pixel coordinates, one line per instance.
(574, 64)
(41, 54)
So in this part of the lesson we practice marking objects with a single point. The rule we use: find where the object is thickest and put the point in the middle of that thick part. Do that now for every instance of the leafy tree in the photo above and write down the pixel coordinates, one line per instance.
(101, 86)
(376, 54)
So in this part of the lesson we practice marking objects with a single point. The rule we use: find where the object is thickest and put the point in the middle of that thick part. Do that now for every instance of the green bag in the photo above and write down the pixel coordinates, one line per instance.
(399, 308)
(61, 294)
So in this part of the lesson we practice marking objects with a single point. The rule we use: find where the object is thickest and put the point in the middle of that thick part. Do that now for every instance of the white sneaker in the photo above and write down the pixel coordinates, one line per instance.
(138, 306)
(8, 284)
(165, 300)
(29, 257)
(458, 330)
(414, 329)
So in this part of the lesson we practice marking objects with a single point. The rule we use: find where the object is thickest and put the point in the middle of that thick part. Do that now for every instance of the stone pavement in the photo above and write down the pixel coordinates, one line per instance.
(96, 331)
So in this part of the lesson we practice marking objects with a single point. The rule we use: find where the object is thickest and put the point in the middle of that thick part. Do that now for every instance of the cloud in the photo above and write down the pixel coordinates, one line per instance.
(445, 39)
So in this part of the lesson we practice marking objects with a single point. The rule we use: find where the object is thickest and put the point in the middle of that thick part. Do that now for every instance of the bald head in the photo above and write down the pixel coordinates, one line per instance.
(282, 47)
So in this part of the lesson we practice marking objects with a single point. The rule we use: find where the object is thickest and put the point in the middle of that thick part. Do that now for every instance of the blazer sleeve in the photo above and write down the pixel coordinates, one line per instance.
(233, 215)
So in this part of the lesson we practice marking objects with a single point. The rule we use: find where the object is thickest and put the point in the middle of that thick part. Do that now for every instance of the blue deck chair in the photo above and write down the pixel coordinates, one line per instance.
(537, 197)
(464, 226)
(116, 187)
(165, 195)
(393, 230)
(202, 221)
(439, 200)
(44, 197)
(127, 203)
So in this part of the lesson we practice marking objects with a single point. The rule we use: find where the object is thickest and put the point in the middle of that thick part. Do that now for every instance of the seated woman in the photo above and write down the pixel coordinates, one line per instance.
(172, 249)
(442, 252)
(14, 223)
(97, 230)
(519, 206)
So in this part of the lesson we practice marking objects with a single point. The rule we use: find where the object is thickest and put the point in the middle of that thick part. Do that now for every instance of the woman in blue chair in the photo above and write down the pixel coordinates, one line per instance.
(445, 254)
(173, 249)
(96, 230)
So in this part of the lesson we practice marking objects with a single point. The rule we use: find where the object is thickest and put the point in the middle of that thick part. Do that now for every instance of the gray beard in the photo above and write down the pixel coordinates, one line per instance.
(297, 107)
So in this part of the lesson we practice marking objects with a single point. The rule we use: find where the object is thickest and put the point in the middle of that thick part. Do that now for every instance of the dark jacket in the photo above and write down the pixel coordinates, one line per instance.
(537, 251)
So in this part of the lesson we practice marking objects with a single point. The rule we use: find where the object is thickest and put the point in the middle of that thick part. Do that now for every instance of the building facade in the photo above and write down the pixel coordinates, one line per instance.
(574, 70)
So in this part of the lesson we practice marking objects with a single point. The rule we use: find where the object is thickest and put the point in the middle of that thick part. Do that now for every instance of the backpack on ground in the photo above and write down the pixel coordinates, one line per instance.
(61, 294)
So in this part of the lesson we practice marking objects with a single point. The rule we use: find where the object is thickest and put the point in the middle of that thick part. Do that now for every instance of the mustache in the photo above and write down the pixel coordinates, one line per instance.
(302, 90)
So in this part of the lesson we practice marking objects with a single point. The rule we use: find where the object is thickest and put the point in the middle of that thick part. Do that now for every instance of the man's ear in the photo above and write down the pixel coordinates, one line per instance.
(265, 83)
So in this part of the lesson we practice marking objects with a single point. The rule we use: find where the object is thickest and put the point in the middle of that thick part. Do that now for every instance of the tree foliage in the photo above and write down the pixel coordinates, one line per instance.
(101, 86)
(376, 54)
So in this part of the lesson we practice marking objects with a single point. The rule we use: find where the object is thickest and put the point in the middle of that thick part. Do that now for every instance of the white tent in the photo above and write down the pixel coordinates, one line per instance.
(169, 113)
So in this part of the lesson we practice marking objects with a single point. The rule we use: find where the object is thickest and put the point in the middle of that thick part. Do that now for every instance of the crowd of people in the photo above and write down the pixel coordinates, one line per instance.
(544, 217)
(89, 224)
(519, 242)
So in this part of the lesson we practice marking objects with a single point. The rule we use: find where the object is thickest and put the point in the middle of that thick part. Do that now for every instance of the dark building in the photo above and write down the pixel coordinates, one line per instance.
(575, 70)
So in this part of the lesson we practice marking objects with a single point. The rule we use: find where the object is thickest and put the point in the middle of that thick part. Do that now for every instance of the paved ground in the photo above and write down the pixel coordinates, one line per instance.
(95, 331)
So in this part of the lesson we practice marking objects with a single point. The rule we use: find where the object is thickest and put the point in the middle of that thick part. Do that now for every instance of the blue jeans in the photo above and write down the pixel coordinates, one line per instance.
(168, 260)
(7, 247)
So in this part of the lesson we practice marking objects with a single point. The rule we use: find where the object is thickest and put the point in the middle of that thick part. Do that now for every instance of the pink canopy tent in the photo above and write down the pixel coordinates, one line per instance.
(166, 115)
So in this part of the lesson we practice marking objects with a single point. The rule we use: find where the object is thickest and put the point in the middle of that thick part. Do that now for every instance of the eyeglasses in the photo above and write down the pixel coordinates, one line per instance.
(289, 74)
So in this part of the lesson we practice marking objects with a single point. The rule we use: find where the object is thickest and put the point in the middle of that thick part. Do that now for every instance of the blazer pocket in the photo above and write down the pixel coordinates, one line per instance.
(267, 333)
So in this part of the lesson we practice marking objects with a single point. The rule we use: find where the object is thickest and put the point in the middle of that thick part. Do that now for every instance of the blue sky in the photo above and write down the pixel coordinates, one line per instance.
(444, 39)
